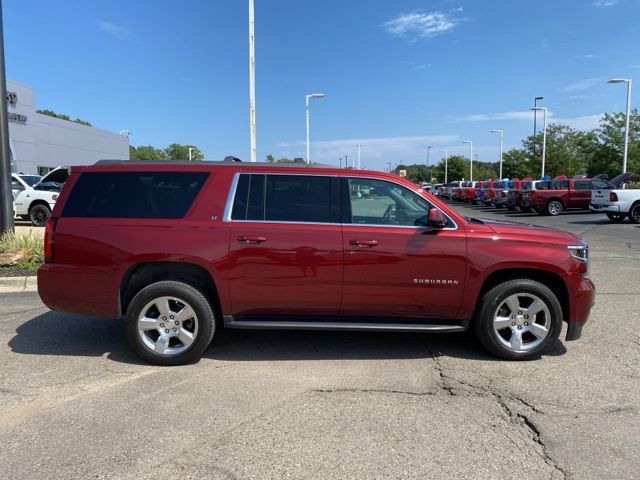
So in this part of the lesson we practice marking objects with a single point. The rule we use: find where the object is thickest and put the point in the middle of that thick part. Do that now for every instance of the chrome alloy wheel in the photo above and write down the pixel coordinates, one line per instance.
(522, 322)
(167, 325)
(554, 208)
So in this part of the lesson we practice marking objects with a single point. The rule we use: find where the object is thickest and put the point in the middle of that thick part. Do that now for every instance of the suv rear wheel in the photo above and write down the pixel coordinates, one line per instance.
(519, 319)
(170, 323)
(39, 214)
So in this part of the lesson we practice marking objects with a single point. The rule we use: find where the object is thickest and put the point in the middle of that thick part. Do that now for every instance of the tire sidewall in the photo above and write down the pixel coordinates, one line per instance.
(201, 306)
(35, 208)
(550, 212)
(634, 209)
(492, 300)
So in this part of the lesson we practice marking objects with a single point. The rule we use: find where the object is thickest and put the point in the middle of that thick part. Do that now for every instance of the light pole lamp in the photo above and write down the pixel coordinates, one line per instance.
(501, 132)
(125, 132)
(470, 142)
(626, 125)
(307, 97)
(446, 165)
(544, 135)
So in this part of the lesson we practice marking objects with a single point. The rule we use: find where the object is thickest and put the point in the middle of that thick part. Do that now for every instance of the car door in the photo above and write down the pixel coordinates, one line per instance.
(393, 268)
(285, 248)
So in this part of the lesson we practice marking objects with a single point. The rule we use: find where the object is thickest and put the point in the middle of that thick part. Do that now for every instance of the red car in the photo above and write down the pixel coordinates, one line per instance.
(182, 250)
(563, 194)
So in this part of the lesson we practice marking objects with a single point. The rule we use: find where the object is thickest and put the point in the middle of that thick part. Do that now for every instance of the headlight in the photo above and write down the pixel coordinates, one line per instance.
(54, 197)
(581, 252)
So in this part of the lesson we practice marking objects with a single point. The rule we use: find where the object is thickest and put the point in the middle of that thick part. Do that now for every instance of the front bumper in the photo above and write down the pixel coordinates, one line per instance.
(582, 300)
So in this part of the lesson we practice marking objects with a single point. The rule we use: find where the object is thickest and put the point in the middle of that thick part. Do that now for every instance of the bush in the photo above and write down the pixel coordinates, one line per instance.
(22, 250)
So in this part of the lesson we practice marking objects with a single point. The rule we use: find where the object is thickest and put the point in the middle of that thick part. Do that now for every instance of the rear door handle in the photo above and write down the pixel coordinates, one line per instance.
(251, 239)
(363, 243)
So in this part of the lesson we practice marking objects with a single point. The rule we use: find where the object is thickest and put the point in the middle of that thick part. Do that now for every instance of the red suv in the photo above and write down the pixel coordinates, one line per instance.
(182, 249)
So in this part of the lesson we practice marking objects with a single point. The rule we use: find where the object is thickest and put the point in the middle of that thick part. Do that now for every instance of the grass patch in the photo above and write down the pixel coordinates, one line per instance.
(23, 251)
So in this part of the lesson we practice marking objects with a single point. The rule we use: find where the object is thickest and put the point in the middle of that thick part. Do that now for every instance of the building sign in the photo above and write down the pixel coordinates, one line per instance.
(17, 118)
(12, 99)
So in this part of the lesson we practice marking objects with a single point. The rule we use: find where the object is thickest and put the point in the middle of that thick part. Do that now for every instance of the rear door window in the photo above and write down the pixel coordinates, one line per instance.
(134, 194)
(582, 185)
(287, 198)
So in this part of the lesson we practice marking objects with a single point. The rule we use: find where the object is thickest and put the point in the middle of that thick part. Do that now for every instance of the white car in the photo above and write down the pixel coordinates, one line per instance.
(607, 197)
(34, 196)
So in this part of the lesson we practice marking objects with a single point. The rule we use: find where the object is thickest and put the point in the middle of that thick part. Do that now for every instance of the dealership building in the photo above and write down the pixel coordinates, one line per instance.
(39, 143)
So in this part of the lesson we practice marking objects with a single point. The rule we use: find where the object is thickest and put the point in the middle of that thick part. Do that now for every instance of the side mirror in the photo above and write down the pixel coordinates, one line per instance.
(434, 219)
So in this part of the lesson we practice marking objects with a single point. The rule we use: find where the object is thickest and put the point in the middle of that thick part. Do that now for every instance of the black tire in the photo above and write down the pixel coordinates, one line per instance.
(634, 213)
(554, 208)
(39, 214)
(616, 217)
(495, 298)
(511, 208)
(525, 209)
(204, 318)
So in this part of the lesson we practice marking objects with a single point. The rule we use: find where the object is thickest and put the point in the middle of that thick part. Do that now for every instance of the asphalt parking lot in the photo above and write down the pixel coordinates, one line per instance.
(76, 403)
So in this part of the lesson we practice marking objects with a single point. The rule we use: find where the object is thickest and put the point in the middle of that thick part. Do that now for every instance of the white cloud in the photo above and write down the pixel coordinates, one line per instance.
(113, 29)
(586, 122)
(586, 55)
(416, 25)
(485, 117)
(394, 149)
(634, 66)
(584, 84)
(604, 3)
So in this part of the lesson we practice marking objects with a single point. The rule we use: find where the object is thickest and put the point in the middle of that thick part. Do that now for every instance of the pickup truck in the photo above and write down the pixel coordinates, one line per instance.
(490, 192)
(563, 194)
(469, 192)
(181, 250)
(618, 204)
(514, 194)
(480, 189)
(35, 196)
(501, 196)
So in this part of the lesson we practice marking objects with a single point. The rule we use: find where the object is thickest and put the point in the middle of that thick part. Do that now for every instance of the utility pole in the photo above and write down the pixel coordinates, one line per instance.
(6, 196)
(535, 117)
(252, 85)
(359, 146)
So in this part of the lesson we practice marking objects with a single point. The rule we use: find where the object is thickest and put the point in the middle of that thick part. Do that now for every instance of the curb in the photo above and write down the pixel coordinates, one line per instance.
(18, 284)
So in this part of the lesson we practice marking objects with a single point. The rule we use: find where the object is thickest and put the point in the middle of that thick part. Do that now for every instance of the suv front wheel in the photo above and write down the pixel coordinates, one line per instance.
(39, 214)
(518, 319)
(170, 323)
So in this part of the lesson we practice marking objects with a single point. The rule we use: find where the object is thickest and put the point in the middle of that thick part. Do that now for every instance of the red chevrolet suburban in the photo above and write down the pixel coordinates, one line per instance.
(183, 249)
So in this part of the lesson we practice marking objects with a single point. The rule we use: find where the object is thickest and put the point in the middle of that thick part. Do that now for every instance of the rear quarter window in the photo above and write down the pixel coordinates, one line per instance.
(134, 194)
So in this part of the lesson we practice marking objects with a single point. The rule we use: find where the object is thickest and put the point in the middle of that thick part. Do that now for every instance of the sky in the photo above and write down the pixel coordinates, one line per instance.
(398, 76)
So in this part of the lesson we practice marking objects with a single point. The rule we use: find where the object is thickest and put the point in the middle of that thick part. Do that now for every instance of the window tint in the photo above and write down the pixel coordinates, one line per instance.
(16, 185)
(582, 185)
(301, 198)
(600, 184)
(286, 198)
(134, 194)
(561, 185)
(377, 202)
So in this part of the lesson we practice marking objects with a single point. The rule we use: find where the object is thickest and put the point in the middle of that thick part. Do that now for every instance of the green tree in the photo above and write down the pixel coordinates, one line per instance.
(607, 157)
(567, 151)
(176, 151)
(458, 168)
(515, 163)
(146, 152)
(62, 116)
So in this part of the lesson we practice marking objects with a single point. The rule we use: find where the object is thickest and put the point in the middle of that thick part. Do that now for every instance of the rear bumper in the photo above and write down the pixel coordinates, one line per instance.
(605, 208)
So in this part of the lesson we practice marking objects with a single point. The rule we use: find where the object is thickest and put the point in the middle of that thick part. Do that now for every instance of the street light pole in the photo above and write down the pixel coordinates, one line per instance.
(470, 142)
(190, 149)
(307, 97)
(535, 117)
(501, 132)
(446, 165)
(626, 125)
(359, 146)
(428, 152)
(252, 85)
(6, 195)
(544, 136)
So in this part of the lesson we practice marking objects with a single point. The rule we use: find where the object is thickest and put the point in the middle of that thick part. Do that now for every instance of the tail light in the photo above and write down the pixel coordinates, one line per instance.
(613, 197)
(49, 237)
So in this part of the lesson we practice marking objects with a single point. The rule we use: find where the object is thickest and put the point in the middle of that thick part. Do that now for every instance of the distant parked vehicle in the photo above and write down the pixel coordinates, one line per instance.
(480, 189)
(35, 196)
(618, 204)
(514, 195)
(500, 199)
(490, 193)
(563, 194)
(469, 192)
(448, 189)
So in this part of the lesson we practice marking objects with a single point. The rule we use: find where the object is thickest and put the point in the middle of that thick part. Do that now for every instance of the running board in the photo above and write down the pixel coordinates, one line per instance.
(231, 322)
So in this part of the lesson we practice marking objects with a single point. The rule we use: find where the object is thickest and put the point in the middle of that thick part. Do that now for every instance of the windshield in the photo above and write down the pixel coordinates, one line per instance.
(31, 180)
(526, 185)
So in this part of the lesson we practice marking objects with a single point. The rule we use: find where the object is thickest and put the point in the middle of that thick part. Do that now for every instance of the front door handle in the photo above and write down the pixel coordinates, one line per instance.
(363, 243)
(251, 239)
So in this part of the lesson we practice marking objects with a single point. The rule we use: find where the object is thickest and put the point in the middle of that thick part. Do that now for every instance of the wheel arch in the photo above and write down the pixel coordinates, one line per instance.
(139, 275)
(550, 279)
(38, 201)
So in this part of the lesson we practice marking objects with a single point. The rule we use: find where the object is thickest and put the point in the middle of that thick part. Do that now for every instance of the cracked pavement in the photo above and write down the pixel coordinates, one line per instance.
(75, 403)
